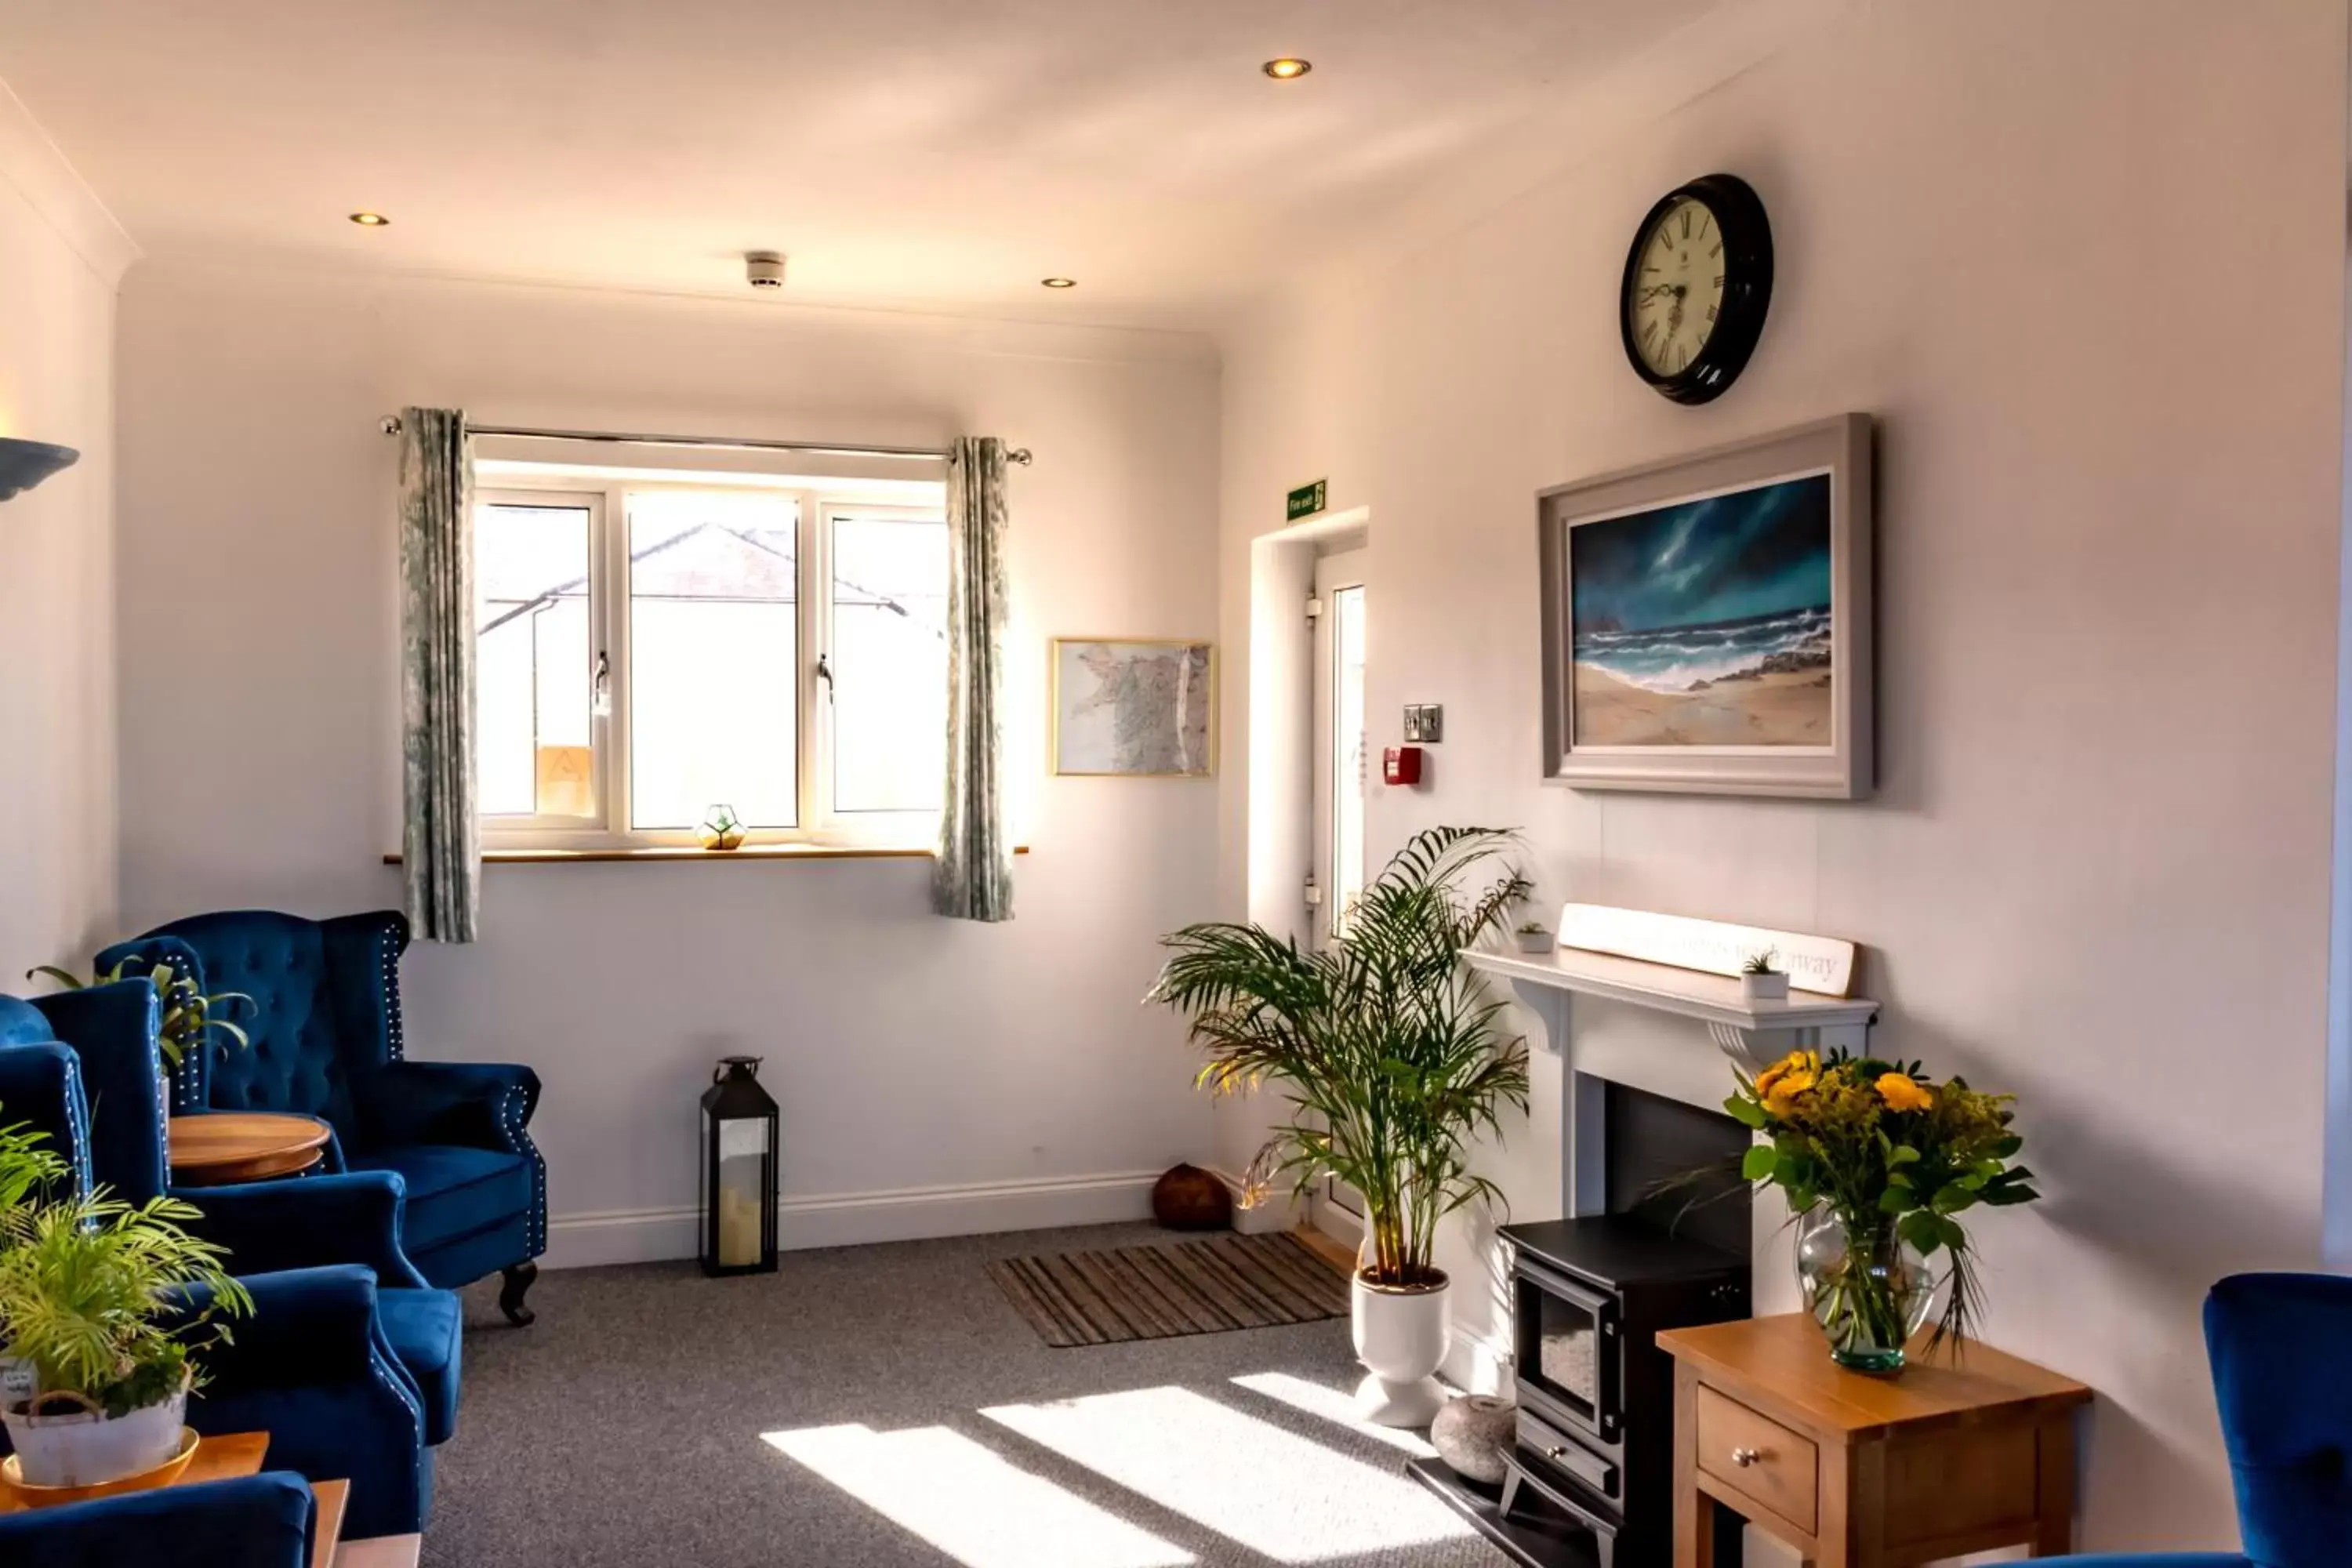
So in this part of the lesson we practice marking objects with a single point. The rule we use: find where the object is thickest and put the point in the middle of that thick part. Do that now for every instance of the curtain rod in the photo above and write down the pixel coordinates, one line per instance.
(391, 426)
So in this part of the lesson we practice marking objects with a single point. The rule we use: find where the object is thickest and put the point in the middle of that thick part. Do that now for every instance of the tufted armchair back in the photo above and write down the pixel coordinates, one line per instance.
(41, 1087)
(22, 1024)
(325, 1011)
(2282, 1351)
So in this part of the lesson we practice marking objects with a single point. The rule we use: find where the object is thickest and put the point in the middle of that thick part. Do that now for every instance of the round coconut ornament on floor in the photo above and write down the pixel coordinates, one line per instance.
(1186, 1197)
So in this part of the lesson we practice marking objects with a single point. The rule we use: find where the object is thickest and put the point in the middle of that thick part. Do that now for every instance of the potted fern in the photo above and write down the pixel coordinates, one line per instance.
(88, 1287)
(1392, 1055)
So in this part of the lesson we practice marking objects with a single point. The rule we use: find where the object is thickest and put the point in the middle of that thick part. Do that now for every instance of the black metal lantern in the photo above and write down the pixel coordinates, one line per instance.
(739, 1170)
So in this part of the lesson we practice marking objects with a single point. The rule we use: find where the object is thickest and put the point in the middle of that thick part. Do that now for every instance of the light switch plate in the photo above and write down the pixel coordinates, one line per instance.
(1424, 723)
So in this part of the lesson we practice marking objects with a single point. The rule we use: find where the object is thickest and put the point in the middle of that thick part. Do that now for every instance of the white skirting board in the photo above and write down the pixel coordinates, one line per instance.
(852, 1219)
(1476, 1365)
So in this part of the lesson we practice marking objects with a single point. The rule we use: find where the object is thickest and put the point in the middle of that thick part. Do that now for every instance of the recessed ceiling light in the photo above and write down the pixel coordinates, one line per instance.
(1059, 282)
(371, 220)
(1288, 68)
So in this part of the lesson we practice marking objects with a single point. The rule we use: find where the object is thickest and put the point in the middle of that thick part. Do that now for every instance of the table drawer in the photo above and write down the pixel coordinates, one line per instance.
(1759, 1458)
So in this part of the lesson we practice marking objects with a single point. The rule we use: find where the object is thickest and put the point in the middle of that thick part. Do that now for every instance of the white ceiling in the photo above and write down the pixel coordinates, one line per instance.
(924, 153)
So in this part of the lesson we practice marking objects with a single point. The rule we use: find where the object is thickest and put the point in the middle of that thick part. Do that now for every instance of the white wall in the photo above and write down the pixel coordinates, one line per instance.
(60, 256)
(2084, 264)
(935, 1075)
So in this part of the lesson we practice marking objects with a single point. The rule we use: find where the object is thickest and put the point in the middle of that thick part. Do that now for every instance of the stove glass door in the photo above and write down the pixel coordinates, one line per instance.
(1568, 1346)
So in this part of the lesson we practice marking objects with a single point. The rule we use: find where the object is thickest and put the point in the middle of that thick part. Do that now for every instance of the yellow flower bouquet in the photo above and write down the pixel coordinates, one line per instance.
(1877, 1161)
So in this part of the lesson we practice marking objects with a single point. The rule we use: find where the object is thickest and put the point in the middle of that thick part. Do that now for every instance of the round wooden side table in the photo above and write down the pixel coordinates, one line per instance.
(224, 1146)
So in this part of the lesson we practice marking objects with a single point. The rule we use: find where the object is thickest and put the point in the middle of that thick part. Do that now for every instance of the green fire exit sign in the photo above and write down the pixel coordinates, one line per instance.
(1307, 500)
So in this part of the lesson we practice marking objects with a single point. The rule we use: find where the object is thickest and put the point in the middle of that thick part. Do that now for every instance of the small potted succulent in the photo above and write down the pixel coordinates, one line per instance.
(1761, 981)
(1533, 937)
(89, 1289)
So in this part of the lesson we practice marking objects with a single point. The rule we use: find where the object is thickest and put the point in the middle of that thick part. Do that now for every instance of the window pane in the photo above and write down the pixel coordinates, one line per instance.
(714, 638)
(533, 667)
(889, 662)
(1348, 760)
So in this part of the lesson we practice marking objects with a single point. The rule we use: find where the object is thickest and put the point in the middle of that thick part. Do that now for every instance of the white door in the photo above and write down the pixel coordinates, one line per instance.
(1342, 775)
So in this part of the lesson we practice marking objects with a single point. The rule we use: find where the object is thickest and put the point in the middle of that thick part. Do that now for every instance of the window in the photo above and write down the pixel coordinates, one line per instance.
(650, 650)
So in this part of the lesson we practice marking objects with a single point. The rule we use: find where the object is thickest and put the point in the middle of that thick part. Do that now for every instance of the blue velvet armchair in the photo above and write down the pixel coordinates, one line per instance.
(325, 1029)
(314, 1366)
(350, 1218)
(255, 1521)
(2281, 1349)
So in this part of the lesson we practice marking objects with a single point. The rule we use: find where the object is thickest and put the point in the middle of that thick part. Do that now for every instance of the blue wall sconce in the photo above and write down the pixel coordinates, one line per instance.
(23, 464)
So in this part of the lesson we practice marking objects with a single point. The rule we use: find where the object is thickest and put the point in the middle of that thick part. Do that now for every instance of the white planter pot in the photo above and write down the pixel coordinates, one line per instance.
(1539, 943)
(85, 1448)
(1764, 987)
(1402, 1335)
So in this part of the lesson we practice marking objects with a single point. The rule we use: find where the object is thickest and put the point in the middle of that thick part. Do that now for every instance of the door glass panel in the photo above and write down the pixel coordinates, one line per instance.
(1348, 759)
(714, 658)
(532, 665)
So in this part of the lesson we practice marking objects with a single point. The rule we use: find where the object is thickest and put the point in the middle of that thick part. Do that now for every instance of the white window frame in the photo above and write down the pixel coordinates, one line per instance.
(910, 829)
(547, 829)
(609, 605)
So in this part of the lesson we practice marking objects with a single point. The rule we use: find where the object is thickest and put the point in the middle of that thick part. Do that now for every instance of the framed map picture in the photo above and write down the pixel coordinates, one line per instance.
(1134, 708)
(1707, 622)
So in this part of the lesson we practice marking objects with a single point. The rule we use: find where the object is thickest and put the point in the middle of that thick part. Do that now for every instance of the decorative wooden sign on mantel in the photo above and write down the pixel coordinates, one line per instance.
(1674, 964)
(1820, 964)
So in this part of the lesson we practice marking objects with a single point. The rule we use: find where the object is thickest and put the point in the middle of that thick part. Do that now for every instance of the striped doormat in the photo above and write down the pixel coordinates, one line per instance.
(1165, 1292)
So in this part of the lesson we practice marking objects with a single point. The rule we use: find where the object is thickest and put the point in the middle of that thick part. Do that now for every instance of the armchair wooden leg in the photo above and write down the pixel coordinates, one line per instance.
(519, 1279)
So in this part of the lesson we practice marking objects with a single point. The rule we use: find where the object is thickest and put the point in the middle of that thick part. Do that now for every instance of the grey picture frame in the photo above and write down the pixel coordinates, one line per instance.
(1840, 447)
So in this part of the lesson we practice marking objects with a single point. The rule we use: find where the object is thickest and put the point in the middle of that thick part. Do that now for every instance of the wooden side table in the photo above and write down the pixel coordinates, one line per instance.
(235, 1453)
(222, 1146)
(1967, 1450)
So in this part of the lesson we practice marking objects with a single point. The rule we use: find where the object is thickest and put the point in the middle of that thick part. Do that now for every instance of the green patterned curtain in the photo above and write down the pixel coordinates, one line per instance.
(973, 878)
(440, 839)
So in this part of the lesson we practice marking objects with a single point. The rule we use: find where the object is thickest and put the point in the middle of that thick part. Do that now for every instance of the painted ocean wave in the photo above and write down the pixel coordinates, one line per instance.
(1684, 658)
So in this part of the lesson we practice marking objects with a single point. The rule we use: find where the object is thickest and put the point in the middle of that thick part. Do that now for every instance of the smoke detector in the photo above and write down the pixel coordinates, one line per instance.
(764, 268)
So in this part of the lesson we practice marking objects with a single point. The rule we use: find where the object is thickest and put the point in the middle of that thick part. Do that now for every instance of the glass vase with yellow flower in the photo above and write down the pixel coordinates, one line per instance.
(1878, 1163)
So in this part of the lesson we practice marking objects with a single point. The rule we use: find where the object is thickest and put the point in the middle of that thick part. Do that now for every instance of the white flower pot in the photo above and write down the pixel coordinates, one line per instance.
(1402, 1335)
(88, 1449)
(1764, 987)
(1539, 943)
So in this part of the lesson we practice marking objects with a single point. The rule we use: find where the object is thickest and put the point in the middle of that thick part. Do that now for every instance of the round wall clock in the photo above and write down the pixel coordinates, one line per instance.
(1697, 281)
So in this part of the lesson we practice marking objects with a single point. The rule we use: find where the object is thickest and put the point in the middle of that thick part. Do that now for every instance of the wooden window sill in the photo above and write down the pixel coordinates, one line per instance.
(690, 852)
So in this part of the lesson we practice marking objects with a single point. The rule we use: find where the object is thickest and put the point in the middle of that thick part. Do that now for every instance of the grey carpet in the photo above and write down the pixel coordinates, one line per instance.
(1156, 1292)
(624, 1430)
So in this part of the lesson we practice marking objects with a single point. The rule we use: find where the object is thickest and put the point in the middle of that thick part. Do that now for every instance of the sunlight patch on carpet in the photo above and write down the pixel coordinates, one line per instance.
(1332, 1406)
(970, 1502)
(1274, 1492)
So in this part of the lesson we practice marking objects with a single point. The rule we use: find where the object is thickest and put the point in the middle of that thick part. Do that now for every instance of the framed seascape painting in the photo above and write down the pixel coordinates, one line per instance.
(1134, 708)
(1707, 622)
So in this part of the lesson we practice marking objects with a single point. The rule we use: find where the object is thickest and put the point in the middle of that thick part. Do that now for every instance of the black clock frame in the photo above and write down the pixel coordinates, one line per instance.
(1747, 289)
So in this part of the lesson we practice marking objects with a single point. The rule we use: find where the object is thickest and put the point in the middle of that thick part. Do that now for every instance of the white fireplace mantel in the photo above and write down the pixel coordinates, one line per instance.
(1752, 1034)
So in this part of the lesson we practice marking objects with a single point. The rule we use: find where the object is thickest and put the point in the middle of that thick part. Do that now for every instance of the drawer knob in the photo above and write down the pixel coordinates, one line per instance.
(1744, 1457)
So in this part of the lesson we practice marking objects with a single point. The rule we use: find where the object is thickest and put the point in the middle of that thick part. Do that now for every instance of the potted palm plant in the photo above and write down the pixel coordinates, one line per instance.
(87, 1288)
(1393, 1059)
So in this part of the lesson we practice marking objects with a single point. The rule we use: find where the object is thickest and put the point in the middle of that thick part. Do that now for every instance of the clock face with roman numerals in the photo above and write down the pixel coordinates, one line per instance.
(1697, 281)
(1680, 296)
